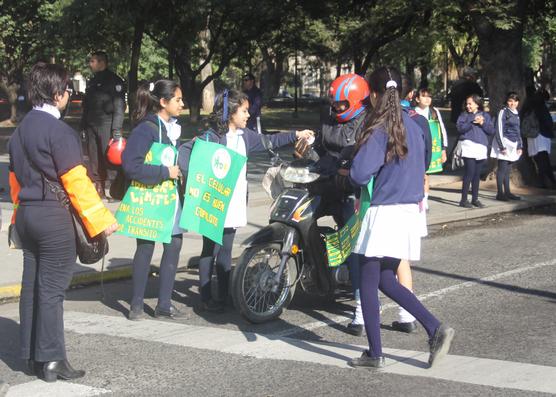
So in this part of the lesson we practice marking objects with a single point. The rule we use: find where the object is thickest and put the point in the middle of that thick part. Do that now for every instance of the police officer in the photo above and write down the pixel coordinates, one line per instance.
(103, 116)
(255, 101)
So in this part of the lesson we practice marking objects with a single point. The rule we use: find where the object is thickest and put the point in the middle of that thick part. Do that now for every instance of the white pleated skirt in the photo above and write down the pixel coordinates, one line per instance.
(392, 231)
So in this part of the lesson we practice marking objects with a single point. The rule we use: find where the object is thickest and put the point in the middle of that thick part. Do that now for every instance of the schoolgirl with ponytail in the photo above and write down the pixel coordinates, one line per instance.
(392, 150)
(227, 126)
(155, 118)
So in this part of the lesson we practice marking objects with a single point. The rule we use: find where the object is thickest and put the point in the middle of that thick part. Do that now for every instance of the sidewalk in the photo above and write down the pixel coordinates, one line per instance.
(443, 203)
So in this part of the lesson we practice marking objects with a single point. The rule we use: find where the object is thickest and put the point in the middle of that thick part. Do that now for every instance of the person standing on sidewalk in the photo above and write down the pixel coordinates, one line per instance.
(157, 107)
(507, 146)
(391, 149)
(474, 126)
(537, 127)
(255, 97)
(44, 147)
(103, 116)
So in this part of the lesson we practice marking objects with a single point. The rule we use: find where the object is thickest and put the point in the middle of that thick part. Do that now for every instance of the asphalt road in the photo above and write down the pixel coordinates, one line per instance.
(493, 280)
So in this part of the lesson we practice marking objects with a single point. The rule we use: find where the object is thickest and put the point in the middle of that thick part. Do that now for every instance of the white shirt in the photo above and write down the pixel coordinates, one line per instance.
(426, 112)
(50, 109)
(237, 209)
(173, 129)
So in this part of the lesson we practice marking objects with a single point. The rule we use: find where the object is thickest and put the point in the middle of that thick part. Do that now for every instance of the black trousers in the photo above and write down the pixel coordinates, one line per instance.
(503, 177)
(97, 141)
(222, 255)
(49, 255)
(168, 268)
(472, 176)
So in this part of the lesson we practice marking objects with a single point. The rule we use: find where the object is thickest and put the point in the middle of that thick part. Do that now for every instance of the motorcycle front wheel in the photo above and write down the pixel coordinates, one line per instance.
(252, 283)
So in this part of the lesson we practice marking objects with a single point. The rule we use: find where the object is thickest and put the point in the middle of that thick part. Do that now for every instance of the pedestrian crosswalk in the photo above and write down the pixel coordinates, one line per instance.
(472, 370)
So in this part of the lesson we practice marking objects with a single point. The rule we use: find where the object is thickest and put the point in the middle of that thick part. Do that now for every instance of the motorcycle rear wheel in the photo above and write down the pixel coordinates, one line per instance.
(251, 287)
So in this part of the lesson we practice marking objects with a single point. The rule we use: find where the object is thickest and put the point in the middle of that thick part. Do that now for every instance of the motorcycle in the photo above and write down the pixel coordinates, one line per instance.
(290, 252)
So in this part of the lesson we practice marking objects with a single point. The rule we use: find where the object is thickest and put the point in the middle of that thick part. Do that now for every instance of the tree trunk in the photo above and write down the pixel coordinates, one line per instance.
(273, 73)
(208, 91)
(134, 63)
(424, 76)
(11, 92)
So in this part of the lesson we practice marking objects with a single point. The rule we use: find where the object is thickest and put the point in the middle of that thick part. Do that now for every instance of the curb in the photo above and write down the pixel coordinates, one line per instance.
(13, 291)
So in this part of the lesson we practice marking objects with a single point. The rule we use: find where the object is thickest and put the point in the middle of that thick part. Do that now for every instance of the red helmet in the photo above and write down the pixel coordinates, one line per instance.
(114, 151)
(348, 94)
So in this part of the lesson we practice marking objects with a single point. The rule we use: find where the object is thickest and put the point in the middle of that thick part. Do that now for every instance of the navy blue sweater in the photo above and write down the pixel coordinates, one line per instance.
(507, 126)
(253, 143)
(53, 147)
(475, 132)
(138, 144)
(399, 181)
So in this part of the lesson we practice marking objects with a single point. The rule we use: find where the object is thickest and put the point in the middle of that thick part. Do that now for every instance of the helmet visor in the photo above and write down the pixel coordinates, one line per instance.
(339, 106)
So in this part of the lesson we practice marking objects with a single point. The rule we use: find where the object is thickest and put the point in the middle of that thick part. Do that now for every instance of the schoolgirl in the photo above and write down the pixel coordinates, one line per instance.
(158, 105)
(392, 150)
(507, 146)
(228, 122)
(474, 126)
(439, 136)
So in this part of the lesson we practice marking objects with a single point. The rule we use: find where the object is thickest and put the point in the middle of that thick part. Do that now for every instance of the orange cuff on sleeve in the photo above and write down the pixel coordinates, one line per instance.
(15, 188)
(86, 201)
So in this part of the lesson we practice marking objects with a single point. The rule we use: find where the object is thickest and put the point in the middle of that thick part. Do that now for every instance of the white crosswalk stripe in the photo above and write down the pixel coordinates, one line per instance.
(477, 371)
(39, 388)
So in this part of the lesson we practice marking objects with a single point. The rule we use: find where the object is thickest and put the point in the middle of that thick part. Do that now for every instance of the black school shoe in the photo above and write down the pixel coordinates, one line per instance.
(465, 204)
(404, 327)
(513, 197)
(366, 361)
(355, 329)
(502, 197)
(440, 343)
(136, 313)
(172, 313)
(477, 204)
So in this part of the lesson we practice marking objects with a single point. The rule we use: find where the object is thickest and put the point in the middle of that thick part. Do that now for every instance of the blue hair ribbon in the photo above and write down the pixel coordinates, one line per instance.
(225, 105)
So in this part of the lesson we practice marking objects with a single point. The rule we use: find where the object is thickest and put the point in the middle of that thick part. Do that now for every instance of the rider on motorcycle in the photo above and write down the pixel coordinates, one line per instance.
(332, 151)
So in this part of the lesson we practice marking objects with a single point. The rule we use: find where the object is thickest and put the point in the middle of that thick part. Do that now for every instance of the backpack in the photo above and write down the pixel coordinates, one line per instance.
(530, 126)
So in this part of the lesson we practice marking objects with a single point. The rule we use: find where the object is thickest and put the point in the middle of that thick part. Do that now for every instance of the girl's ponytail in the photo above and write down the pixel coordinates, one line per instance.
(386, 83)
(149, 95)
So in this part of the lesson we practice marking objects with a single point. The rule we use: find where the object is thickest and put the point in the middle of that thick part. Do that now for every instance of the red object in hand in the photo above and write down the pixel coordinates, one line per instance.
(115, 149)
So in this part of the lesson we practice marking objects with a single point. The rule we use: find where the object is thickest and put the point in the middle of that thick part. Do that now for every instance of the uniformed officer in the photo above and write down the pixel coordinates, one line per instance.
(103, 116)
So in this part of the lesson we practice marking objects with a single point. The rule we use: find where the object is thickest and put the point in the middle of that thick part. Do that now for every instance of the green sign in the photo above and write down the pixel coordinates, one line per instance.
(213, 173)
(147, 211)
(436, 155)
(340, 244)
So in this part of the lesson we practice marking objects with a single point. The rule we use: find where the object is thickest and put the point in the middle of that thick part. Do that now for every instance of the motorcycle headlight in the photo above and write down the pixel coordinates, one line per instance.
(298, 175)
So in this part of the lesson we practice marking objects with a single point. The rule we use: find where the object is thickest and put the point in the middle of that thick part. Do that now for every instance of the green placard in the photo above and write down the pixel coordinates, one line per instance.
(147, 211)
(213, 173)
(339, 245)
(436, 155)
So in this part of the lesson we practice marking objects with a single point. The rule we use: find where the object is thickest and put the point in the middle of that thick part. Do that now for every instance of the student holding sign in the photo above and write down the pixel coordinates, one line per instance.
(228, 122)
(391, 149)
(438, 135)
(151, 207)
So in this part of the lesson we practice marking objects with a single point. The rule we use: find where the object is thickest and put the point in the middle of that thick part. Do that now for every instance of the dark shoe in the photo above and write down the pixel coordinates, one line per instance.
(440, 343)
(53, 370)
(477, 204)
(513, 197)
(366, 361)
(404, 327)
(172, 313)
(502, 197)
(136, 313)
(354, 329)
(33, 367)
(213, 306)
(465, 204)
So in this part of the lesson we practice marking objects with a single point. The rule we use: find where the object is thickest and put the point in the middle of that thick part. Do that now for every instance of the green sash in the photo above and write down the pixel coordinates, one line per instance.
(339, 245)
(436, 155)
(213, 173)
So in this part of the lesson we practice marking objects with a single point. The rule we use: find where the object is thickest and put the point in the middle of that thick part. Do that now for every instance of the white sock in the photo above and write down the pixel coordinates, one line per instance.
(404, 316)
(358, 314)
